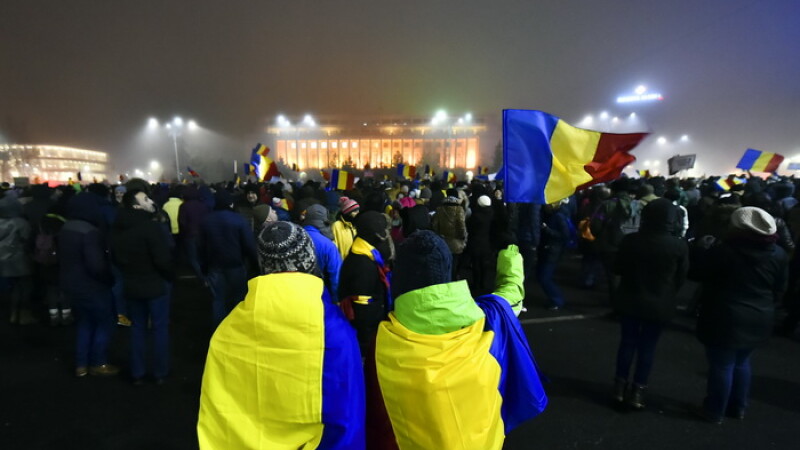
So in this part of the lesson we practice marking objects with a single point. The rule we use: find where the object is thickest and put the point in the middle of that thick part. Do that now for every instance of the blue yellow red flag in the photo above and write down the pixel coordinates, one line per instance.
(546, 159)
(406, 171)
(341, 180)
(758, 161)
(261, 149)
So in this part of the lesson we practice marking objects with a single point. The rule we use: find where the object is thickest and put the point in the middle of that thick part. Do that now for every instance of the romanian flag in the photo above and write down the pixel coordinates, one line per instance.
(448, 176)
(547, 159)
(283, 371)
(482, 173)
(758, 161)
(249, 169)
(341, 180)
(261, 149)
(643, 173)
(406, 171)
(192, 172)
(464, 389)
(728, 183)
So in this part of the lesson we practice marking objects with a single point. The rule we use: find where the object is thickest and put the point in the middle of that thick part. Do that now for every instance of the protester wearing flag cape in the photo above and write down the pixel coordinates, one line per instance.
(450, 371)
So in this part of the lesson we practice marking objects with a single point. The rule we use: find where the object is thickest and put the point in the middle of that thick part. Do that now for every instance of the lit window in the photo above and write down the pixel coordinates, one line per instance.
(334, 144)
(324, 145)
(344, 144)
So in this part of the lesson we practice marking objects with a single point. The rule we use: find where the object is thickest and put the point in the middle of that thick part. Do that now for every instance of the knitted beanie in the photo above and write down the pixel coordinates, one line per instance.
(755, 220)
(423, 259)
(348, 205)
(285, 247)
(260, 213)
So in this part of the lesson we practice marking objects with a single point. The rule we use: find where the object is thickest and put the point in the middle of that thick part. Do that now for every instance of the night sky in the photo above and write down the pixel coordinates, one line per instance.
(89, 73)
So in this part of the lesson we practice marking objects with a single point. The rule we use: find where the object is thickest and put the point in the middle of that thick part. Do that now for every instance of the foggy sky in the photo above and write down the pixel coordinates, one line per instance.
(89, 73)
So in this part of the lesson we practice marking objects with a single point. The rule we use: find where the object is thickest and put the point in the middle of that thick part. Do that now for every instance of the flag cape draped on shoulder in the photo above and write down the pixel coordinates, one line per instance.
(283, 372)
(464, 389)
(546, 159)
(758, 161)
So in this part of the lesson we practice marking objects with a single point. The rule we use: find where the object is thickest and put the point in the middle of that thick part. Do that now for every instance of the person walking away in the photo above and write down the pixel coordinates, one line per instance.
(742, 278)
(225, 246)
(267, 386)
(86, 282)
(555, 236)
(141, 249)
(479, 246)
(190, 216)
(652, 264)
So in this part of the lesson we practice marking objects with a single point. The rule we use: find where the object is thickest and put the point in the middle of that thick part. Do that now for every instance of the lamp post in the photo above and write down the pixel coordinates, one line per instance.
(175, 130)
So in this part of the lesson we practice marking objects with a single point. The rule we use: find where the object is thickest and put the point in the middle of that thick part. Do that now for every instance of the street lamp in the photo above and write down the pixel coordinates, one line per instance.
(175, 130)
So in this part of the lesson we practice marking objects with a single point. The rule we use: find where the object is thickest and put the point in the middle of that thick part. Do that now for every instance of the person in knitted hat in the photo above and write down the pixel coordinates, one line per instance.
(439, 344)
(343, 229)
(742, 279)
(262, 215)
(283, 369)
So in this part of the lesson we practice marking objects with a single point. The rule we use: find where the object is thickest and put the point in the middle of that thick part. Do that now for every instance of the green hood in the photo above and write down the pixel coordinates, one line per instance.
(437, 309)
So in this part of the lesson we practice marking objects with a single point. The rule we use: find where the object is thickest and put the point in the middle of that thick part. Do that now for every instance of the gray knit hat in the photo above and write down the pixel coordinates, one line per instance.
(755, 220)
(285, 247)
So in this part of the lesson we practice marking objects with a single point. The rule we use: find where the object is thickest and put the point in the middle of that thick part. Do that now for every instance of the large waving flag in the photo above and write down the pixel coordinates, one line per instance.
(406, 171)
(267, 386)
(341, 180)
(448, 176)
(193, 173)
(546, 159)
(758, 161)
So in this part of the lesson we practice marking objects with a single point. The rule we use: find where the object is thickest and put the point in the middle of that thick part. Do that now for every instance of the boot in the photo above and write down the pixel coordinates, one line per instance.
(620, 386)
(636, 396)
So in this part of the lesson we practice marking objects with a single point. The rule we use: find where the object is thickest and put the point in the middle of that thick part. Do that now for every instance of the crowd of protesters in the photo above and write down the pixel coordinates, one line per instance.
(105, 255)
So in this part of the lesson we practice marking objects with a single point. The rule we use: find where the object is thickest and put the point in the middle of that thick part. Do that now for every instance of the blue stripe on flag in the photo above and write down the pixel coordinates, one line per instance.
(527, 158)
(748, 159)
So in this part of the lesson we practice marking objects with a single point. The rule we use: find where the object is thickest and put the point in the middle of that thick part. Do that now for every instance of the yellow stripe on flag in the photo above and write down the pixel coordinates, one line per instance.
(762, 161)
(572, 149)
(262, 384)
(441, 391)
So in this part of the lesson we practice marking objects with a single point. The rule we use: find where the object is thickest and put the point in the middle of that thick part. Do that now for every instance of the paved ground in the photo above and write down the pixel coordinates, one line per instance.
(43, 406)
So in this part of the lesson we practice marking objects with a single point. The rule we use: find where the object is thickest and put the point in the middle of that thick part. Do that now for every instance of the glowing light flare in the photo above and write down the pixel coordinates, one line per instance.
(662, 140)
(177, 121)
(152, 123)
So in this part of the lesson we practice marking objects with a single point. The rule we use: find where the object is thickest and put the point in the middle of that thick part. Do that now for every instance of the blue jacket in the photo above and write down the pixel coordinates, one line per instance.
(225, 241)
(328, 259)
(84, 262)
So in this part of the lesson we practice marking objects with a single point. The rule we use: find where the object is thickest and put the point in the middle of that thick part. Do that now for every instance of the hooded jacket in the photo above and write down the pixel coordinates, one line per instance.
(83, 259)
(653, 265)
(15, 239)
(450, 223)
(140, 247)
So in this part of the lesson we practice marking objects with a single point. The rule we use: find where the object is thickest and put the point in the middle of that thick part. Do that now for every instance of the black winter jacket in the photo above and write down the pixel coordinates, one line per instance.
(141, 249)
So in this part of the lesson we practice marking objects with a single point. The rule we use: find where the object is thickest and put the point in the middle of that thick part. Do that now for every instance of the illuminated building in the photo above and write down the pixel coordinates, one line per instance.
(41, 163)
(384, 142)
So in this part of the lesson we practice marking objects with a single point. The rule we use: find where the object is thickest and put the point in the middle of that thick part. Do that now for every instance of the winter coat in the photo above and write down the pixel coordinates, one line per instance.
(479, 230)
(83, 260)
(191, 213)
(344, 232)
(15, 239)
(741, 281)
(554, 236)
(415, 218)
(449, 222)
(329, 260)
(141, 249)
(225, 241)
(653, 265)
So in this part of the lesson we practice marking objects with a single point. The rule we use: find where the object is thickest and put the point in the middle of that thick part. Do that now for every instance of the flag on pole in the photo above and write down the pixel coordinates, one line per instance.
(725, 184)
(448, 176)
(341, 180)
(680, 162)
(758, 161)
(406, 171)
(546, 159)
(261, 149)
(644, 173)
(192, 172)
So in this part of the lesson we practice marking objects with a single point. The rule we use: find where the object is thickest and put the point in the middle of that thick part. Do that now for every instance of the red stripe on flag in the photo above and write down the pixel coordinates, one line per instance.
(773, 163)
(611, 157)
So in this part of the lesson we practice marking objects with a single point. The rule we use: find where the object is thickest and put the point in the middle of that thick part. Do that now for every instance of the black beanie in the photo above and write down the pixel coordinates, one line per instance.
(423, 259)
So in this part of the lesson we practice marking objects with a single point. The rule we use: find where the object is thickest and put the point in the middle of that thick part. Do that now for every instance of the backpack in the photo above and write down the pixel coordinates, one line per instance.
(45, 247)
(45, 250)
(631, 223)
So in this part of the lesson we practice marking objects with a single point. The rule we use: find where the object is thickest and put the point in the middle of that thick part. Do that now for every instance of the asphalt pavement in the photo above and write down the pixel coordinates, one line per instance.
(43, 405)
